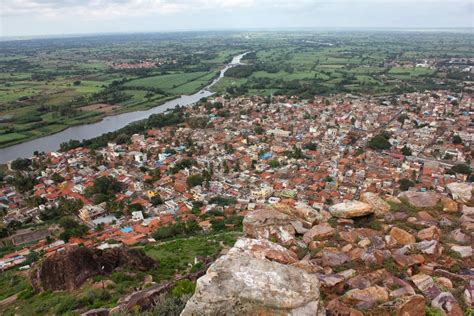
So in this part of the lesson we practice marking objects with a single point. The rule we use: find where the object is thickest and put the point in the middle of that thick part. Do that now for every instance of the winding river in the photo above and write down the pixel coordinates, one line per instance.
(108, 124)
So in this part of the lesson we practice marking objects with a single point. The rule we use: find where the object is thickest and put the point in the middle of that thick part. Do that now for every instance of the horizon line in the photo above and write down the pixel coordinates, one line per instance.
(261, 29)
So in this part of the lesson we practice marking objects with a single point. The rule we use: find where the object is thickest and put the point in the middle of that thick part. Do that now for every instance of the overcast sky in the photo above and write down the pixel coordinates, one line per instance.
(47, 17)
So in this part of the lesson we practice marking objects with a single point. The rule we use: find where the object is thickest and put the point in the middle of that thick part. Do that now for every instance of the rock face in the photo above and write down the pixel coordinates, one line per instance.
(68, 270)
(420, 199)
(269, 223)
(243, 283)
(461, 192)
(351, 209)
(379, 206)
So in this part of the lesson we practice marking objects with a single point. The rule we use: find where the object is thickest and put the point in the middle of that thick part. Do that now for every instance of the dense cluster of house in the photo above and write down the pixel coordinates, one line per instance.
(253, 151)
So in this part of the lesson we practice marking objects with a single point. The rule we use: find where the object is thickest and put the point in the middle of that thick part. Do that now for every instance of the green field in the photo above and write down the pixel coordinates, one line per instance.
(45, 85)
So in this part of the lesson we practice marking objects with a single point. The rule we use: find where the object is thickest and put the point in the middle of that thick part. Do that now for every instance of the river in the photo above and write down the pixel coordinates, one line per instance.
(108, 124)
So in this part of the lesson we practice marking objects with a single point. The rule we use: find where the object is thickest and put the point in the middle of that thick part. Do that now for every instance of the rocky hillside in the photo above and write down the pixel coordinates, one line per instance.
(405, 255)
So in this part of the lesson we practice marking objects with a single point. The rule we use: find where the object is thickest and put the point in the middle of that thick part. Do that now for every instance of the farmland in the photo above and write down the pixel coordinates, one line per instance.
(47, 85)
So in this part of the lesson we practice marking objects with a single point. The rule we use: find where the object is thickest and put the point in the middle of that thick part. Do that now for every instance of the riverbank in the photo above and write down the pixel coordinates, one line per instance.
(107, 124)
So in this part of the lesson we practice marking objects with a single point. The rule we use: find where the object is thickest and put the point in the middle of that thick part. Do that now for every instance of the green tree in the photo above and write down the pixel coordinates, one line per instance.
(379, 142)
(20, 164)
(71, 228)
(274, 163)
(405, 184)
(457, 140)
(194, 180)
(460, 168)
(406, 151)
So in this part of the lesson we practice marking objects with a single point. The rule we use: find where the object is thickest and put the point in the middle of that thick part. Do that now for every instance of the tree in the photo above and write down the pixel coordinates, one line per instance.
(259, 130)
(104, 189)
(274, 163)
(57, 178)
(460, 168)
(311, 146)
(20, 164)
(379, 142)
(405, 184)
(406, 151)
(194, 180)
(457, 140)
(156, 200)
(71, 228)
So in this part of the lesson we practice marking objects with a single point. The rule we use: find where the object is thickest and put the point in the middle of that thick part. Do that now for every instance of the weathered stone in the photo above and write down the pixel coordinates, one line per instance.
(449, 205)
(445, 282)
(430, 233)
(333, 258)
(371, 294)
(420, 199)
(410, 306)
(461, 192)
(351, 209)
(468, 294)
(429, 247)
(269, 223)
(463, 251)
(304, 213)
(335, 308)
(241, 284)
(446, 302)
(299, 228)
(69, 269)
(426, 285)
(264, 249)
(379, 206)
(330, 280)
(424, 216)
(319, 231)
(408, 261)
(401, 236)
(367, 280)
(458, 236)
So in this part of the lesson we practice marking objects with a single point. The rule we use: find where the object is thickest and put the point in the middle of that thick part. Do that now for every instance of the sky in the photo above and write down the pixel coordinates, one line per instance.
(58, 17)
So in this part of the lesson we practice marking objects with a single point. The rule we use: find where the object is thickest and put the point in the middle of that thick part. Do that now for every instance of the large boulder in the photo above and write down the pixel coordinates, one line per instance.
(378, 204)
(69, 269)
(351, 209)
(243, 283)
(420, 199)
(268, 223)
(461, 192)
(302, 212)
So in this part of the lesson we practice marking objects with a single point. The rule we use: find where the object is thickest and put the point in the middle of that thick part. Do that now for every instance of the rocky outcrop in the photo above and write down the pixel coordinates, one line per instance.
(351, 209)
(242, 282)
(461, 192)
(378, 204)
(375, 265)
(302, 212)
(420, 199)
(69, 269)
(268, 223)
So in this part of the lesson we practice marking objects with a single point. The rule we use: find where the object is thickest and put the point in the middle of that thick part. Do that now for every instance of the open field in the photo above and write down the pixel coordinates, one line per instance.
(47, 85)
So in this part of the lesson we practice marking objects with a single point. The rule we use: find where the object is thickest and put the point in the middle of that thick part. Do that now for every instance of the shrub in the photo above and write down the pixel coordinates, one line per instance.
(183, 287)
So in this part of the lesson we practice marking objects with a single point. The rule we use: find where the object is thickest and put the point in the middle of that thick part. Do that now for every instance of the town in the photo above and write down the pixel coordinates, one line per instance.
(228, 157)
